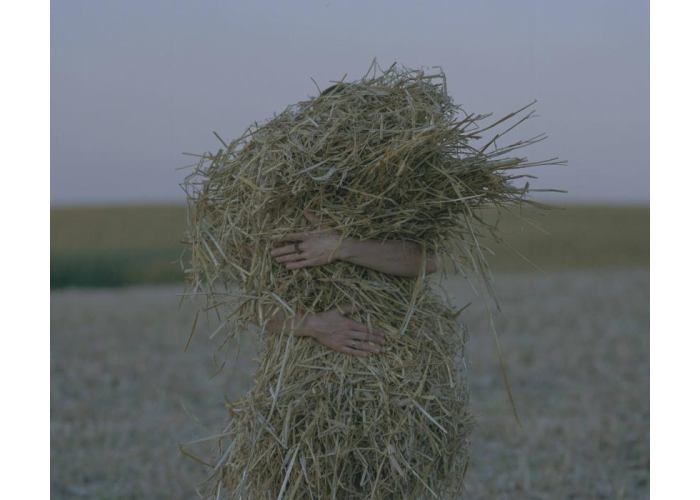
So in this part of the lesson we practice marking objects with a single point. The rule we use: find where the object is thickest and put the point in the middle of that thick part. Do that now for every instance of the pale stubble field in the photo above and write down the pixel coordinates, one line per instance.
(124, 393)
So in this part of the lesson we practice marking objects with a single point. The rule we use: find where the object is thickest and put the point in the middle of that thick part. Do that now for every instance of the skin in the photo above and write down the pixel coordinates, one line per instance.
(333, 330)
(323, 246)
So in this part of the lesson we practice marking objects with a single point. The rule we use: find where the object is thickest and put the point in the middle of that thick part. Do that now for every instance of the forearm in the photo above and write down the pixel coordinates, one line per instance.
(279, 322)
(400, 258)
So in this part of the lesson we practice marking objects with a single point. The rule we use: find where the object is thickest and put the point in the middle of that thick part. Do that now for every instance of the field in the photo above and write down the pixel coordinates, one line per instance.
(124, 393)
(128, 245)
(112, 246)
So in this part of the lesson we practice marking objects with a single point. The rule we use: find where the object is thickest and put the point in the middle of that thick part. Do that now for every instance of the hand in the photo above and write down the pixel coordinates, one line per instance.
(333, 330)
(311, 248)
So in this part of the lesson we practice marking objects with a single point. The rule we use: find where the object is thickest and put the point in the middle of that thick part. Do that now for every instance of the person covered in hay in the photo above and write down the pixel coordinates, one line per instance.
(323, 227)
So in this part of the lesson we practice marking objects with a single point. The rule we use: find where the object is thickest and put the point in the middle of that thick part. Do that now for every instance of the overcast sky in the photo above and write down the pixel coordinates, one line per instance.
(136, 83)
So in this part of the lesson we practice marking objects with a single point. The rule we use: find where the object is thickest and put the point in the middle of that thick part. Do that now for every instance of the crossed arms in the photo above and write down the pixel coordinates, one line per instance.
(323, 246)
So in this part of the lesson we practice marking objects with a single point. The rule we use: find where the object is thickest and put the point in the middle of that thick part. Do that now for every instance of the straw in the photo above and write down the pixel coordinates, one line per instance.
(389, 156)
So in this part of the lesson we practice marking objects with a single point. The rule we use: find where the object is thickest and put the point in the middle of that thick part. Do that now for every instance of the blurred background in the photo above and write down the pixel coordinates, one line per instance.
(135, 84)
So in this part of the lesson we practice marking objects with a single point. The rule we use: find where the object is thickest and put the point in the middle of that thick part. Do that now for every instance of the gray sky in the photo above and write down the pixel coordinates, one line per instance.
(134, 84)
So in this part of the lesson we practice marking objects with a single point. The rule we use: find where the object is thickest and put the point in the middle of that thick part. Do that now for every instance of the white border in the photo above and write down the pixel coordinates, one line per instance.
(675, 350)
(25, 348)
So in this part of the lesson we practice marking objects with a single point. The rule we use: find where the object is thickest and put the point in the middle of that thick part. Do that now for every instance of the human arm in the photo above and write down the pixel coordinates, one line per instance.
(318, 247)
(331, 329)
(397, 257)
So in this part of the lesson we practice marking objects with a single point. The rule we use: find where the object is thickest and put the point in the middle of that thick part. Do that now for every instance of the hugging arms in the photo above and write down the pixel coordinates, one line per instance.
(322, 246)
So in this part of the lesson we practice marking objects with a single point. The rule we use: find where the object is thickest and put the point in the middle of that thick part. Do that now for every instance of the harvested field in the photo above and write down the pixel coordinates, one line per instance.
(129, 245)
(123, 392)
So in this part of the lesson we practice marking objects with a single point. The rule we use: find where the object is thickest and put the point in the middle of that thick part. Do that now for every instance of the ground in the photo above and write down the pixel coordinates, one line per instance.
(125, 393)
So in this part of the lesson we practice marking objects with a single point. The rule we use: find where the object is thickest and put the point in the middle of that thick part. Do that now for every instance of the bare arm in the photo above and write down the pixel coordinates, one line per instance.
(401, 258)
(331, 329)
(278, 322)
(318, 247)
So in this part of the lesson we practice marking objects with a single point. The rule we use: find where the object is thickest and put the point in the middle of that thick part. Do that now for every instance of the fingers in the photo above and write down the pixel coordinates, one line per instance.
(354, 338)
(362, 346)
(359, 343)
(364, 330)
(355, 325)
(289, 254)
(283, 250)
(291, 257)
(376, 338)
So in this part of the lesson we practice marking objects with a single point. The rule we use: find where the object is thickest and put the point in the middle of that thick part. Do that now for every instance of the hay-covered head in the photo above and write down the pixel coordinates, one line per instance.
(389, 156)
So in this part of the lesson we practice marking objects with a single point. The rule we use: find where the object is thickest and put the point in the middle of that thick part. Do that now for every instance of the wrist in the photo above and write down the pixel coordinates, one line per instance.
(303, 326)
(346, 249)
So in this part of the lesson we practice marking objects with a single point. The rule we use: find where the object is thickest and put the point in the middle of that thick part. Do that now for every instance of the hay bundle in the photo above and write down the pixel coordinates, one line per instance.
(389, 156)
